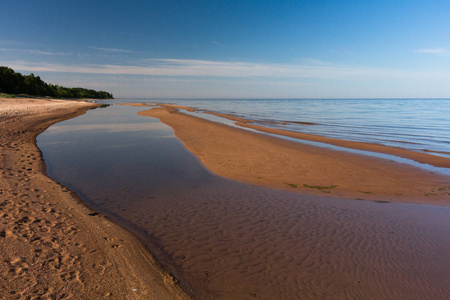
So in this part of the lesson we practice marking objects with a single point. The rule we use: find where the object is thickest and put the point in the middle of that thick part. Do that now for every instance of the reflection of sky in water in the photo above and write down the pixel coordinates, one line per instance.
(107, 127)
(91, 146)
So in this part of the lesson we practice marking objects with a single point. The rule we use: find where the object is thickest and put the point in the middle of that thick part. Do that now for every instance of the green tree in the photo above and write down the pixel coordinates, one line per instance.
(15, 83)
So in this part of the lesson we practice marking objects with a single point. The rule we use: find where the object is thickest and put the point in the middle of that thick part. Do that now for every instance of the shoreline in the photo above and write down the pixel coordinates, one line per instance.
(273, 162)
(52, 244)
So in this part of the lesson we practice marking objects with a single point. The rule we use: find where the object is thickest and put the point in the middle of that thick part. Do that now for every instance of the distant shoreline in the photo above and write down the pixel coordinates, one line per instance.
(23, 96)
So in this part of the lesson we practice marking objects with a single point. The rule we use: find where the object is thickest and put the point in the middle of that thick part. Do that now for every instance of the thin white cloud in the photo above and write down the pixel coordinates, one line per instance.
(211, 69)
(218, 44)
(111, 50)
(313, 61)
(46, 52)
(435, 51)
(34, 51)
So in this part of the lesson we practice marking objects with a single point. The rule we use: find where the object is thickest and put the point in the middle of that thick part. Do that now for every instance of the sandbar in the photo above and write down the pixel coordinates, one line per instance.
(258, 159)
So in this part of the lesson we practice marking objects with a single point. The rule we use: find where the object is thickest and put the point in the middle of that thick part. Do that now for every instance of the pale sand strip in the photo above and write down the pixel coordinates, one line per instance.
(437, 161)
(51, 245)
(424, 158)
(274, 162)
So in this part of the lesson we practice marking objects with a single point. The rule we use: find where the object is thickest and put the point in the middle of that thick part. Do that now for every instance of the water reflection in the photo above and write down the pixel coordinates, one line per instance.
(132, 152)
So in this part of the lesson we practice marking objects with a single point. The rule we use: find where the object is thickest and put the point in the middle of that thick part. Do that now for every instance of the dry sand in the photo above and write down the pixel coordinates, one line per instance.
(277, 163)
(51, 245)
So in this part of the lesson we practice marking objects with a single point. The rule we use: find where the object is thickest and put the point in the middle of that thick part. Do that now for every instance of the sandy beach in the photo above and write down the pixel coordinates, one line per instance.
(277, 163)
(52, 245)
(223, 239)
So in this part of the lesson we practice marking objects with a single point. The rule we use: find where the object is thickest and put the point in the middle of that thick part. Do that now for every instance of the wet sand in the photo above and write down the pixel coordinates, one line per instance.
(233, 241)
(277, 163)
(51, 244)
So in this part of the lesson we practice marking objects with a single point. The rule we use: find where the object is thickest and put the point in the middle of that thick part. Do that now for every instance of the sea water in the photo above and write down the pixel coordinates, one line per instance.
(416, 124)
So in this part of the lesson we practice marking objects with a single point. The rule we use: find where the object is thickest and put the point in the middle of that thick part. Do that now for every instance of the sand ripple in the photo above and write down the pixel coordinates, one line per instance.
(256, 243)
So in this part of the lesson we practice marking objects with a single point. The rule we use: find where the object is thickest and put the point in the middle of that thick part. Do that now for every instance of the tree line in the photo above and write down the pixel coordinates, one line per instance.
(16, 83)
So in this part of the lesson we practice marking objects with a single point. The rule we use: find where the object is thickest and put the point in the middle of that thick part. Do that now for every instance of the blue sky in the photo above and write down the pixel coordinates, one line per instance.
(233, 49)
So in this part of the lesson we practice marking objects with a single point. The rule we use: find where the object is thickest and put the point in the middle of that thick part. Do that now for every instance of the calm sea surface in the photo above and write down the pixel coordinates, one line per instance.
(416, 124)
